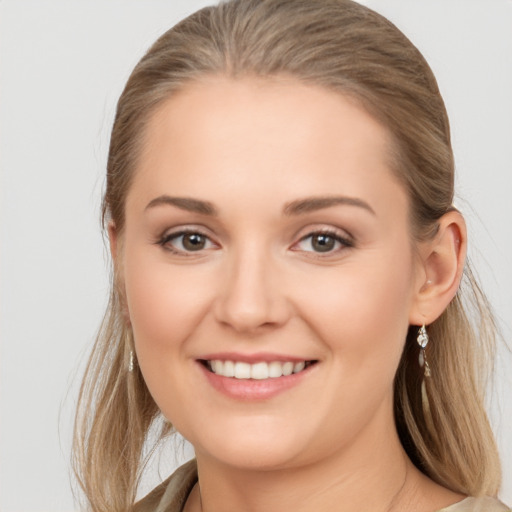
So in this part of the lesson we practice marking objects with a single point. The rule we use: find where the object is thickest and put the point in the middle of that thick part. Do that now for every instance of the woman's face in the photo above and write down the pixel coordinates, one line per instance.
(265, 234)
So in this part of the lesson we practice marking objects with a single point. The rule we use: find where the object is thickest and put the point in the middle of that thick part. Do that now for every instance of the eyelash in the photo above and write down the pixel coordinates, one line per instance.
(168, 237)
(344, 242)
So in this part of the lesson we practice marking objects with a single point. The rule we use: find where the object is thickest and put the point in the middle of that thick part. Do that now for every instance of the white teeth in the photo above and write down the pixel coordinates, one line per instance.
(287, 368)
(242, 370)
(229, 369)
(275, 369)
(217, 367)
(298, 367)
(257, 371)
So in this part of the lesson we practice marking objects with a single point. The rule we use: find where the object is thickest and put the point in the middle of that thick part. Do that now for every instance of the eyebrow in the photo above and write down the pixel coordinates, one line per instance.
(298, 207)
(311, 204)
(184, 203)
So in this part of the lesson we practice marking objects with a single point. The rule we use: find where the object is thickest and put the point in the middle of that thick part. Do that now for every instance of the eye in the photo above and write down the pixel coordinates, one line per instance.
(186, 242)
(322, 242)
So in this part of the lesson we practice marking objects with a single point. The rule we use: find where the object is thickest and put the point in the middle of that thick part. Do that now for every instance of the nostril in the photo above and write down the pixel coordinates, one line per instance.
(247, 312)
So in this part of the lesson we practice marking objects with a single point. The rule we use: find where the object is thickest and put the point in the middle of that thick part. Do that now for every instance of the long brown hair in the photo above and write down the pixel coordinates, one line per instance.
(345, 47)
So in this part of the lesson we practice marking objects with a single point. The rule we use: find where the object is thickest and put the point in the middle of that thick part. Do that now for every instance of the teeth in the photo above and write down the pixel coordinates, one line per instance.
(257, 371)
(229, 369)
(287, 368)
(217, 367)
(275, 369)
(242, 371)
(298, 367)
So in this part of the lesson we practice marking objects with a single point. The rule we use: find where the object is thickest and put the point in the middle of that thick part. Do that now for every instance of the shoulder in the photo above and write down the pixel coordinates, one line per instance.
(171, 494)
(482, 504)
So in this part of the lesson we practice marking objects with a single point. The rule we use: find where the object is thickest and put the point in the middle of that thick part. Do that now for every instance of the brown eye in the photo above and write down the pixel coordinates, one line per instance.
(186, 242)
(323, 243)
(193, 241)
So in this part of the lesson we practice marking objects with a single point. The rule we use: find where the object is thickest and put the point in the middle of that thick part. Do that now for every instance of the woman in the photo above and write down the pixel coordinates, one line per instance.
(287, 271)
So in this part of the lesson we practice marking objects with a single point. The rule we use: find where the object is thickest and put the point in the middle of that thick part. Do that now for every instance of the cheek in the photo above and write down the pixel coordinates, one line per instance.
(362, 312)
(362, 319)
(165, 305)
(165, 302)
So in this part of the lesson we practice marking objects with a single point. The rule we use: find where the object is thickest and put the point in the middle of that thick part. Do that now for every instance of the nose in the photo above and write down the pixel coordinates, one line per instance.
(252, 297)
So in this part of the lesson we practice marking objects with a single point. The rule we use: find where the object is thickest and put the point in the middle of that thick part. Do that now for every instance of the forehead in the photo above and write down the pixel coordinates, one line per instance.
(262, 135)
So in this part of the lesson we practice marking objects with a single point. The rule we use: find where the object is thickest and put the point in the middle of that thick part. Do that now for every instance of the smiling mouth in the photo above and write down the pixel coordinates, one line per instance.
(256, 371)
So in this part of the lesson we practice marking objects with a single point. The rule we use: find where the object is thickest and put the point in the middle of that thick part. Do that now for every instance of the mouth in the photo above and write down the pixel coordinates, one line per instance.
(257, 371)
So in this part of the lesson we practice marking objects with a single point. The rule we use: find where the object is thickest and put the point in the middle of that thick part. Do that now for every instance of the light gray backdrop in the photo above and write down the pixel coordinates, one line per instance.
(63, 64)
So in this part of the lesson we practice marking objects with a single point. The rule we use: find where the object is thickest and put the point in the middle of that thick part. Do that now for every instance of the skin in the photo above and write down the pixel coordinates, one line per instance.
(252, 148)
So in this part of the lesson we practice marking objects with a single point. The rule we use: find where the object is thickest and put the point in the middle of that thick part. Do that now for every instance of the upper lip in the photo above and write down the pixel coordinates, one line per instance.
(258, 357)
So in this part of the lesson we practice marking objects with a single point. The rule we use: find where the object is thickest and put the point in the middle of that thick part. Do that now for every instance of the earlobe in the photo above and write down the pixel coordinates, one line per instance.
(443, 261)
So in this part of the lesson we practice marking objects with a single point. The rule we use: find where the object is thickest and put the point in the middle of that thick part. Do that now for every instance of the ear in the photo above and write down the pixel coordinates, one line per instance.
(112, 238)
(442, 261)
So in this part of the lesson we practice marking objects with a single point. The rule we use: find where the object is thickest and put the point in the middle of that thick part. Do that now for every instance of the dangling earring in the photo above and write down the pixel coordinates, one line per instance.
(131, 362)
(422, 340)
(129, 348)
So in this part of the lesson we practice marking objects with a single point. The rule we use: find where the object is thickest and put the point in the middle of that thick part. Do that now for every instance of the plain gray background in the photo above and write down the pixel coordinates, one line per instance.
(63, 64)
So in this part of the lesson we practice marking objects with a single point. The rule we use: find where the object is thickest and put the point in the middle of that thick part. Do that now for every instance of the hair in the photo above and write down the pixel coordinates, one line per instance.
(345, 47)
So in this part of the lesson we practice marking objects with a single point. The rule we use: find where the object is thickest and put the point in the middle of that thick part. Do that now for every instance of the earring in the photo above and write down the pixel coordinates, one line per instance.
(131, 362)
(422, 340)
(131, 354)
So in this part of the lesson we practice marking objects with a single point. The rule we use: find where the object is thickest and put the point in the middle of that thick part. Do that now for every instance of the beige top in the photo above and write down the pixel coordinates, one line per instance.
(170, 496)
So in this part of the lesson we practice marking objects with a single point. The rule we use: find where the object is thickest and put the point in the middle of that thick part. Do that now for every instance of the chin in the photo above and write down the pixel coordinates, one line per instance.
(256, 458)
(252, 448)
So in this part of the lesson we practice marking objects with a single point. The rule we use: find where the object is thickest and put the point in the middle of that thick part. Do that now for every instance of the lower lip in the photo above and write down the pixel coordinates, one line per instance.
(253, 389)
